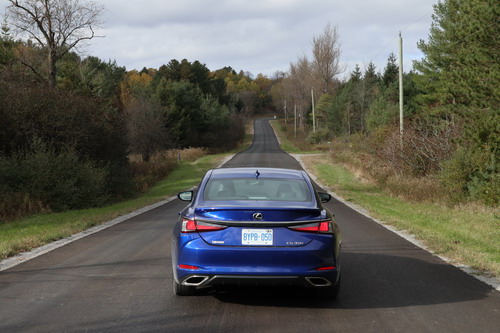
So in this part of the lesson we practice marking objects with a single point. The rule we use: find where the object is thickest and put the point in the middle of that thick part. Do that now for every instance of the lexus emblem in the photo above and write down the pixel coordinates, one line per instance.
(257, 216)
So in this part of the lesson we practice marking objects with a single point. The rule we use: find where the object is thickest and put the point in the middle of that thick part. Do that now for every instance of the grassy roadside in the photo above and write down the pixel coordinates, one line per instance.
(466, 235)
(285, 143)
(28, 233)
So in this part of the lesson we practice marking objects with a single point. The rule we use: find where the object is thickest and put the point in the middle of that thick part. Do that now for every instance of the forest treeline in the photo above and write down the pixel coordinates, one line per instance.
(451, 141)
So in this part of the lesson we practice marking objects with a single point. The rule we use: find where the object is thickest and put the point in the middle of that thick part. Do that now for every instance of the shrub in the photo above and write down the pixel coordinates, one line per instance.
(320, 135)
(473, 172)
(470, 174)
(426, 144)
(356, 155)
(147, 173)
(42, 179)
(88, 127)
(382, 112)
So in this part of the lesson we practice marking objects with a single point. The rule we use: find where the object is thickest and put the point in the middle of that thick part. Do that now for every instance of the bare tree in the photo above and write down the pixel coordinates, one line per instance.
(57, 26)
(248, 98)
(326, 62)
(145, 127)
(300, 86)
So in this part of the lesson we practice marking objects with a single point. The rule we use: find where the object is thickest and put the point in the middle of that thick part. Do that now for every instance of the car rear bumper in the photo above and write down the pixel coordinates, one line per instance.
(197, 280)
(211, 265)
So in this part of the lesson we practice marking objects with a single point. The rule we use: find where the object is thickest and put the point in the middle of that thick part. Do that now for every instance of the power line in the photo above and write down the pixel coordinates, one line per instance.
(384, 47)
(475, 33)
(416, 21)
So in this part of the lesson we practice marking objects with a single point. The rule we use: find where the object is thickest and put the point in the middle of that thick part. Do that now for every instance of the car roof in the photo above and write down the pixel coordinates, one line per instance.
(251, 173)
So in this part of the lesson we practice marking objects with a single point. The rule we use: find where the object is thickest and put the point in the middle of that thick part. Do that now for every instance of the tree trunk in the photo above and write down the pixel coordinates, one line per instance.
(52, 68)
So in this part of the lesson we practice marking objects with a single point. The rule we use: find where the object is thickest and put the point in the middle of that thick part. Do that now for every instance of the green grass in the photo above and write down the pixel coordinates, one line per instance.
(466, 235)
(34, 231)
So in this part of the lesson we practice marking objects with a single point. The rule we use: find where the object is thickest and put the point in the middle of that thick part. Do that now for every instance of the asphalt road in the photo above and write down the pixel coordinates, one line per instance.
(119, 280)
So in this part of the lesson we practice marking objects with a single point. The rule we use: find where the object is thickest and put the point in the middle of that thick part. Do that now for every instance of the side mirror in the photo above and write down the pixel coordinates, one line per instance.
(324, 197)
(185, 196)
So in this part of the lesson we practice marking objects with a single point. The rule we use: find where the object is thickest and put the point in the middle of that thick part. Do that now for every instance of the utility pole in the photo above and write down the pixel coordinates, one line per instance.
(401, 89)
(314, 116)
(285, 111)
(295, 121)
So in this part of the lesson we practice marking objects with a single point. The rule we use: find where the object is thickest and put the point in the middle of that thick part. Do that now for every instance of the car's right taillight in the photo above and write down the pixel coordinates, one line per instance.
(190, 225)
(324, 227)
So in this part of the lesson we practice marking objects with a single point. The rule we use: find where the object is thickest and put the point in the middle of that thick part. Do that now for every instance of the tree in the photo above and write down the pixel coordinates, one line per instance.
(382, 111)
(145, 127)
(321, 109)
(300, 87)
(371, 82)
(371, 77)
(461, 63)
(326, 53)
(355, 74)
(101, 79)
(339, 111)
(182, 101)
(6, 46)
(65, 121)
(391, 71)
(56, 26)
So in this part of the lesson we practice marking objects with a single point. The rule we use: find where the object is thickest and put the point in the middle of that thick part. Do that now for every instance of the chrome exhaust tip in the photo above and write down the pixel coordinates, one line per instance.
(318, 282)
(195, 280)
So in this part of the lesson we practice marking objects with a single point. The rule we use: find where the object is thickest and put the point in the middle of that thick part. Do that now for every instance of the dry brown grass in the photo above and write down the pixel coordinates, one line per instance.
(370, 169)
(19, 205)
(299, 140)
(146, 174)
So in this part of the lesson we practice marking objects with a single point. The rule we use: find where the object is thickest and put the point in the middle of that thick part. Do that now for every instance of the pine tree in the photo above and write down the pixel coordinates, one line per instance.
(371, 75)
(371, 82)
(391, 71)
(356, 74)
(461, 63)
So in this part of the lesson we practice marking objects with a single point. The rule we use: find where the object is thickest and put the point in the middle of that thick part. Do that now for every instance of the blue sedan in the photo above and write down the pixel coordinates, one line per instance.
(248, 226)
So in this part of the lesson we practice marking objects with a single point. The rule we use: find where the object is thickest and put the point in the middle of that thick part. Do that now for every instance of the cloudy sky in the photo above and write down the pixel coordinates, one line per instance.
(259, 36)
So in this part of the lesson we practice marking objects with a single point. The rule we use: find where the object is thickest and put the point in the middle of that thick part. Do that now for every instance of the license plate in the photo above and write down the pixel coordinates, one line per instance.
(257, 237)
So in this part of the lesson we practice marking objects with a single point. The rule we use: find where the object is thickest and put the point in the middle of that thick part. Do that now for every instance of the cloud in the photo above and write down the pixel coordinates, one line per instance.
(260, 36)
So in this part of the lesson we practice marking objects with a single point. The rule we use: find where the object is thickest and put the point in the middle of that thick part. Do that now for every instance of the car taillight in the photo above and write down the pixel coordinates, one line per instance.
(326, 268)
(188, 267)
(320, 227)
(188, 225)
(196, 226)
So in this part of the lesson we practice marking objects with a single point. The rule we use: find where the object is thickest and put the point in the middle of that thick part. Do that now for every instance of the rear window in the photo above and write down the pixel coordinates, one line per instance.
(257, 189)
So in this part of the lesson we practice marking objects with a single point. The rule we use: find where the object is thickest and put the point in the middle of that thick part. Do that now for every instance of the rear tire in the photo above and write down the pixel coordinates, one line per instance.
(181, 290)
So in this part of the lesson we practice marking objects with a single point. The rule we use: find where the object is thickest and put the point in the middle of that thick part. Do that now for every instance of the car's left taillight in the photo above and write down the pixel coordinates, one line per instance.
(323, 227)
(191, 225)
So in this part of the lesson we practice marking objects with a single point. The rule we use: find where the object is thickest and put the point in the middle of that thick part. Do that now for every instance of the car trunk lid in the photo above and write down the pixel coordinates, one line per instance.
(257, 226)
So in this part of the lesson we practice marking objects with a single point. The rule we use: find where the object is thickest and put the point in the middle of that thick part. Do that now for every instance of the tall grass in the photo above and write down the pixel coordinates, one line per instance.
(368, 168)
(146, 174)
(291, 143)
